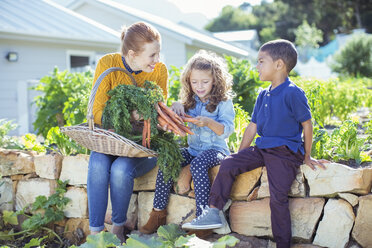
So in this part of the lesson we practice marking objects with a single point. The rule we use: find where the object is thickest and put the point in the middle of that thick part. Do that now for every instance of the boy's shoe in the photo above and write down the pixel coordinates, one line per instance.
(209, 219)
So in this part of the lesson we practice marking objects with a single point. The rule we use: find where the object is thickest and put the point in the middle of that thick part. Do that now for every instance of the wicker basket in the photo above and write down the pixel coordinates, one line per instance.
(101, 140)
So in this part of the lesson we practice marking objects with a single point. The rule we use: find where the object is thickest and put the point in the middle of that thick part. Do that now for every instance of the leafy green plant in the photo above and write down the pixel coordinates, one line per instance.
(246, 82)
(65, 145)
(342, 144)
(368, 129)
(335, 98)
(241, 121)
(168, 236)
(46, 210)
(346, 143)
(30, 143)
(320, 144)
(5, 140)
(64, 100)
(174, 85)
(35, 242)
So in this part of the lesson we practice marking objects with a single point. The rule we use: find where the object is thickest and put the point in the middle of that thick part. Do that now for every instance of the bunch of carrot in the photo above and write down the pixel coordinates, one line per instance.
(174, 122)
(166, 116)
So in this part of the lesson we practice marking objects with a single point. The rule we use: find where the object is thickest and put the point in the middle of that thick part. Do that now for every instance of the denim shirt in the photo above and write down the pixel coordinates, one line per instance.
(204, 138)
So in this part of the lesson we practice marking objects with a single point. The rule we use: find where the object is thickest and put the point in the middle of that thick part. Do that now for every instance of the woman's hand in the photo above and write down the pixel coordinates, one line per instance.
(178, 108)
(134, 116)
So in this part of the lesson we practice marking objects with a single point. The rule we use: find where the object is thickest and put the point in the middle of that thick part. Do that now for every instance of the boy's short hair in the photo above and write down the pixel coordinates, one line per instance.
(281, 49)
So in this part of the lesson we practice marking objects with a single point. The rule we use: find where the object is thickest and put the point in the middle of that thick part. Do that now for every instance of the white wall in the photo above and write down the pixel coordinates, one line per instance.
(314, 68)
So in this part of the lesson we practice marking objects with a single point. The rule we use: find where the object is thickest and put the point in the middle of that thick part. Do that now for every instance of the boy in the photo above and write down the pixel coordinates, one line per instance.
(280, 115)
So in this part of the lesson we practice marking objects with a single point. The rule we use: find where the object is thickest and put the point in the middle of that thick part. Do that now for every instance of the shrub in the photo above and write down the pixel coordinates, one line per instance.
(246, 82)
(64, 101)
(335, 97)
(355, 58)
(5, 140)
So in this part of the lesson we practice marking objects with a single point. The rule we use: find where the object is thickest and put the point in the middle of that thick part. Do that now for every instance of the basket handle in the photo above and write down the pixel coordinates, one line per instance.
(90, 117)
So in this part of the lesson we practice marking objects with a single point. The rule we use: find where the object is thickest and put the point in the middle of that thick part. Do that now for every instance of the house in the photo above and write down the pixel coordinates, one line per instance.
(36, 36)
(246, 39)
(179, 42)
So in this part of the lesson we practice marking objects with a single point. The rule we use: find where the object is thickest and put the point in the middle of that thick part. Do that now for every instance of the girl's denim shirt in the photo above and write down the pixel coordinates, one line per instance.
(204, 138)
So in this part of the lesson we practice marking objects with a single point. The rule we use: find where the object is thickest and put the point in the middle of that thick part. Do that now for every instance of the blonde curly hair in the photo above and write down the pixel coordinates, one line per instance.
(222, 80)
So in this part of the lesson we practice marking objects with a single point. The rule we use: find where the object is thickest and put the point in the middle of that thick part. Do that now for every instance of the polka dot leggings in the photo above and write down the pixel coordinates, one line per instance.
(199, 171)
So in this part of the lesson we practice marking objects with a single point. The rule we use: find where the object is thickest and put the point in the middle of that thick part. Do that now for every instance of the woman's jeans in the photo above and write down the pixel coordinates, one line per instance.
(117, 173)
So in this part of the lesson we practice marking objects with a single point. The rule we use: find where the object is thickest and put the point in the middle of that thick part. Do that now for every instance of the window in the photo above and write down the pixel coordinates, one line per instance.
(80, 61)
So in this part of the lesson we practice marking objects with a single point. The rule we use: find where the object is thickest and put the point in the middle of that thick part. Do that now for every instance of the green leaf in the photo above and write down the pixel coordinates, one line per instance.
(224, 241)
(5, 235)
(170, 232)
(192, 241)
(135, 241)
(101, 240)
(10, 217)
(35, 242)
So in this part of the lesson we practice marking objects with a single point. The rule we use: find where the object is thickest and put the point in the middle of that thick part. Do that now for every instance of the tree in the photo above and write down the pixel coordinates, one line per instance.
(231, 18)
(308, 36)
(281, 18)
(355, 58)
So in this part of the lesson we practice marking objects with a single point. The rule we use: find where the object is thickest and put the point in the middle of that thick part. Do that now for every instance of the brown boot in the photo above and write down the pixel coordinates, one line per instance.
(157, 219)
(201, 234)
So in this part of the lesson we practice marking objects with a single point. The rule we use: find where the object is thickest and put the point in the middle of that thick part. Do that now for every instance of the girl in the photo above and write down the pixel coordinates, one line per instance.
(140, 48)
(206, 96)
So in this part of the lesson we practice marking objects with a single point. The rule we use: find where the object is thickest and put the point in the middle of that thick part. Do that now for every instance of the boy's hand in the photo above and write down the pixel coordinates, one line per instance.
(178, 108)
(202, 121)
(309, 161)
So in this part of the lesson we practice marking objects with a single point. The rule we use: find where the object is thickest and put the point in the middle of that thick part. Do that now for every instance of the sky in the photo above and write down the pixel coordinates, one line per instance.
(210, 8)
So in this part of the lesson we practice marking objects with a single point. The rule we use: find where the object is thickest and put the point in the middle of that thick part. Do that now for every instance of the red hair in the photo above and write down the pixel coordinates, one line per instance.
(136, 35)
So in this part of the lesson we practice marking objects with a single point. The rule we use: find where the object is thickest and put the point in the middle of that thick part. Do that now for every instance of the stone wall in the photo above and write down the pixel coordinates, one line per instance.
(329, 208)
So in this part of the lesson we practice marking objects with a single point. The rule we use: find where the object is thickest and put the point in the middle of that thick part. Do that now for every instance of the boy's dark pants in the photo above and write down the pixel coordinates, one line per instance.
(281, 164)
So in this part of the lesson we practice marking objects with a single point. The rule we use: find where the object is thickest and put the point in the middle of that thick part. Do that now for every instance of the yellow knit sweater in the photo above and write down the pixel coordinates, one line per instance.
(113, 79)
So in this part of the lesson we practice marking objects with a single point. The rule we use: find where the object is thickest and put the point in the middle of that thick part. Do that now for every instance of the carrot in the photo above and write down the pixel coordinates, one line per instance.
(187, 119)
(188, 116)
(168, 120)
(148, 132)
(144, 133)
(163, 122)
(186, 129)
(175, 117)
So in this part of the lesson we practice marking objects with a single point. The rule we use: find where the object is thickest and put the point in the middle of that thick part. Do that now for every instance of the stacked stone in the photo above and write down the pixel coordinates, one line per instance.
(329, 208)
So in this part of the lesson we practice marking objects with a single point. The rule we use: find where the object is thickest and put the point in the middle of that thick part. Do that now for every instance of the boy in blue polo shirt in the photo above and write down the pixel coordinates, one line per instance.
(280, 116)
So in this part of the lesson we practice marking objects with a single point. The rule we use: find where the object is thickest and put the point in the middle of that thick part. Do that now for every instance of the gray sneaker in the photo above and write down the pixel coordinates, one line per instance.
(209, 219)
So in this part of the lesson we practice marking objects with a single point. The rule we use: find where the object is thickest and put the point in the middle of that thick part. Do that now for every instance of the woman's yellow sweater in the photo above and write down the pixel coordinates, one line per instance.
(113, 79)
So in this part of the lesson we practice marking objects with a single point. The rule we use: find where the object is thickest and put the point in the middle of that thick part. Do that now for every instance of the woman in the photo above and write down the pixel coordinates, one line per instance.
(140, 48)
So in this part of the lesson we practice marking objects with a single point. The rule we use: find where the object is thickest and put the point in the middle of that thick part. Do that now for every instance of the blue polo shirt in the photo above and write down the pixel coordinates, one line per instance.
(278, 114)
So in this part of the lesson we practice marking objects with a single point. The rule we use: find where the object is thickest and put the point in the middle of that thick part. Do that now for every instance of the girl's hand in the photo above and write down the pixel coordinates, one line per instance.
(202, 121)
(178, 108)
